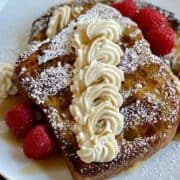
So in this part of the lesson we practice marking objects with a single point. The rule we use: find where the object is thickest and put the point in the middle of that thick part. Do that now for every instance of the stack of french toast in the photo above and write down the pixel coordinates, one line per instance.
(108, 99)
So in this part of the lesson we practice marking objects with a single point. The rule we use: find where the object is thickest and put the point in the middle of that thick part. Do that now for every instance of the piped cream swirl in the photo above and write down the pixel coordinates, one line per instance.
(86, 33)
(106, 28)
(94, 97)
(103, 149)
(102, 50)
(96, 84)
(105, 51)
(96, 73)
(61, 18)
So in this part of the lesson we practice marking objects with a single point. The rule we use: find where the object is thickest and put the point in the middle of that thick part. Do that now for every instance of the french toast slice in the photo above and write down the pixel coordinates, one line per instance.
(151, 100)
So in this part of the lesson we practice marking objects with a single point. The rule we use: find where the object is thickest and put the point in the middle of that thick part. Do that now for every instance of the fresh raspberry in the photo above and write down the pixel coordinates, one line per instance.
(38, 144)
(127, 8)
(149, 18)
(20, 119)
(162, 40)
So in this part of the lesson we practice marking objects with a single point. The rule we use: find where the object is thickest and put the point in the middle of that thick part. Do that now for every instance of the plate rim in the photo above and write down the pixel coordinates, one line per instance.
(2, 175)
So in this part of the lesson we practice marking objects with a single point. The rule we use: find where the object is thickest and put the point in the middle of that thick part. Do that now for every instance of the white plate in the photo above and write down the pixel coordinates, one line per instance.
(15, 21)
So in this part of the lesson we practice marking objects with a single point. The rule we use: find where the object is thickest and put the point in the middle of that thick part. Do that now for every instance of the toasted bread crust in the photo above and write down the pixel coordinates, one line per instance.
(119, 169)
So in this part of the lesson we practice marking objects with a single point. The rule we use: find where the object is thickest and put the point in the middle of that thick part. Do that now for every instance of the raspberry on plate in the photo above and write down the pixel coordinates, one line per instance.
(20, 119)
(162, 40)
(127, 8)
(38, 144)
(148, 18)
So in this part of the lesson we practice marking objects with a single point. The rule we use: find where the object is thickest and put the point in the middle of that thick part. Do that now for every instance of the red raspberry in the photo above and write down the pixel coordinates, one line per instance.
(148, 18)
(162, 40)
(38, 144)
(20, 119)
(127, 8)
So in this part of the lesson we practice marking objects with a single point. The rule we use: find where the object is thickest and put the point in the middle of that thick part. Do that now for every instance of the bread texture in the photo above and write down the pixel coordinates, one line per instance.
(151, 99)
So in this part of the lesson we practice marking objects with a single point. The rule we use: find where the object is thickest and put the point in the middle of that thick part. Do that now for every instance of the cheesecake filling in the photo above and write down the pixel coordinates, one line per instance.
(96, 83)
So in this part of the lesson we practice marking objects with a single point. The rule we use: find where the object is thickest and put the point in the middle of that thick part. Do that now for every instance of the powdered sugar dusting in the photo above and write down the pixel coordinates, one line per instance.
(60, 122)
(54, 119)
(49, 82)
(61, 44)
(99, 12)
(83, 2)
(146, 111)
(138, 54)
(125, 22)
(33, 47)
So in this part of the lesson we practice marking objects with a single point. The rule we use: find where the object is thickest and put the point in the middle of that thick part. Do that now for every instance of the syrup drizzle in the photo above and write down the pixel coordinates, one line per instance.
(51, 166)
(10, 102)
